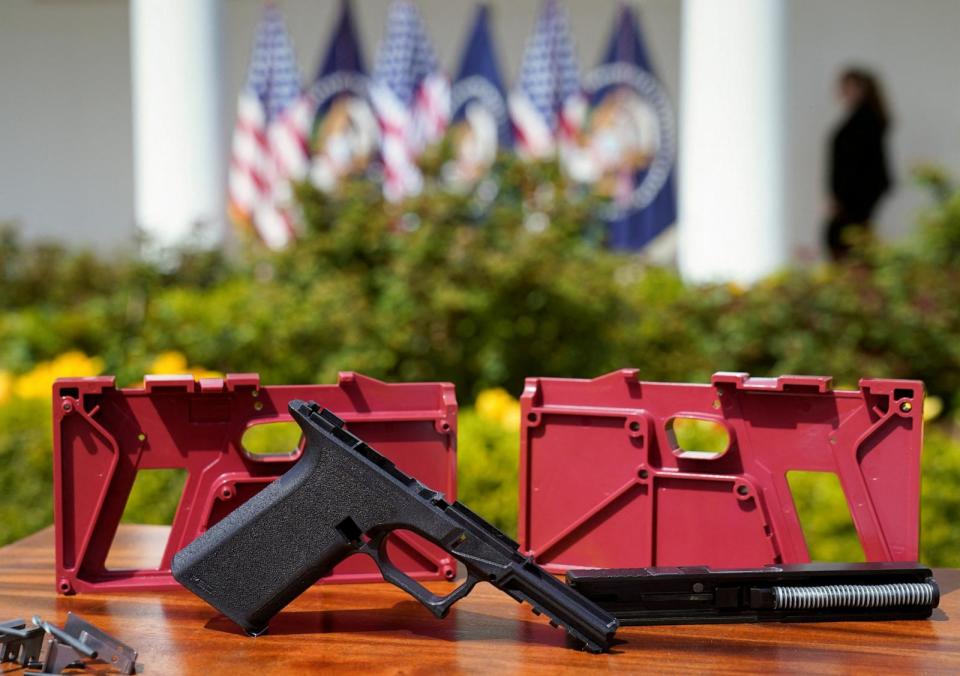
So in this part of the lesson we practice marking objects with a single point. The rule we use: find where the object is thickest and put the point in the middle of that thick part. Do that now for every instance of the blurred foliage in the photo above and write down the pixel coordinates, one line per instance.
(277, 438)
(488, 458)
(26, 467)
(824, 516)
(483, 288)
(154, 496)
(693, 435)
(940, 507)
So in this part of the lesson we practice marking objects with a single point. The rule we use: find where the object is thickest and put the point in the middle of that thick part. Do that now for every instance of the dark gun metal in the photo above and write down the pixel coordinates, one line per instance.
(813, 592)
(20, 643)
(80, 644)
(343, 498)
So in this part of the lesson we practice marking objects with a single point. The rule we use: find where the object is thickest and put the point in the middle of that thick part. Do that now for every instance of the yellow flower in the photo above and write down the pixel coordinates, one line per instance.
(38, 383)
(491, 403)
(511, 416)
(496, 405)
(168, 363)
(174, 363)
(932, 407)
(6, 387)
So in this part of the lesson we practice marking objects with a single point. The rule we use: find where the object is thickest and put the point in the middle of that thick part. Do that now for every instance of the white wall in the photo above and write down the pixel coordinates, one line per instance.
(65, 126)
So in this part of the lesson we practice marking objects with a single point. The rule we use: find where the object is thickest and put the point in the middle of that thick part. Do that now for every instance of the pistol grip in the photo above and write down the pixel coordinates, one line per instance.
(267, 551)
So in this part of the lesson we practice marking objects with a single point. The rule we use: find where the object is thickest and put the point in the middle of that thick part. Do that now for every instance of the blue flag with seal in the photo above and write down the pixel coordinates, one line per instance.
(631, 139)
(345, 136)
(344, 53)
(480, 120)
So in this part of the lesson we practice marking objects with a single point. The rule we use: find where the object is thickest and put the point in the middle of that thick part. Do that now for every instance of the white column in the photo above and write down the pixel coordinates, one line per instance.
(731, 224)
(179, 159)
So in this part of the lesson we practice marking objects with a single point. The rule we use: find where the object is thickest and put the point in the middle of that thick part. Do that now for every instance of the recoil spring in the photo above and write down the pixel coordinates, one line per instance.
(854, 596)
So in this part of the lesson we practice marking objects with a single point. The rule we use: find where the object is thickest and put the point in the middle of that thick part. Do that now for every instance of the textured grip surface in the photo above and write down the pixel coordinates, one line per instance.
(270, 549)
(262, 556)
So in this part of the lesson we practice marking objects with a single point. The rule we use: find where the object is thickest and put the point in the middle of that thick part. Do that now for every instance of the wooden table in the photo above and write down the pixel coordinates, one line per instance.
(378, 628)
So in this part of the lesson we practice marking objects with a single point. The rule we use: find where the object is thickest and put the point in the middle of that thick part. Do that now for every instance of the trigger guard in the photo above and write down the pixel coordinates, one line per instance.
(375, 548)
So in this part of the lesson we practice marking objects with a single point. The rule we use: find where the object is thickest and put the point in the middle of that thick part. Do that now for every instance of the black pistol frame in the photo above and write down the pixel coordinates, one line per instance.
(342, 498)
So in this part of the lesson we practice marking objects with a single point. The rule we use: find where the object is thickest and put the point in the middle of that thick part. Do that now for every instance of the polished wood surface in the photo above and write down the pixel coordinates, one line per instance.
(378, 628)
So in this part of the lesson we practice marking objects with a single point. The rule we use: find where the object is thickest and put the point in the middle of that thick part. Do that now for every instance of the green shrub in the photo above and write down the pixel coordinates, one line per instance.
(488, 460)
(26, 468)
(824, 516)
(473, 289)
(940, 508)
(424, 292)
(154, 497)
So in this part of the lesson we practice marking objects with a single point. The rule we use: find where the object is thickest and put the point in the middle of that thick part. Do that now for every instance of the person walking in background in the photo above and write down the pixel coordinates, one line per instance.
(858, 160)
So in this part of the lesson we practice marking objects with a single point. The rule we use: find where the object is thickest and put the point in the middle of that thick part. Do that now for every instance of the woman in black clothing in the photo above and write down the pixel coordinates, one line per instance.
(858, 159)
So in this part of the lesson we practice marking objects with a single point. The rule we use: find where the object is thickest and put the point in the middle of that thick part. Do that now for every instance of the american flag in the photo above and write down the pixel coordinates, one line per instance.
(547, 104)
(270, 139)
(411, 96)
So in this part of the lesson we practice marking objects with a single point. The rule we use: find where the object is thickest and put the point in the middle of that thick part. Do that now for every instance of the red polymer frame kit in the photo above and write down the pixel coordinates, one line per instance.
(604, 483)
(103, 435)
